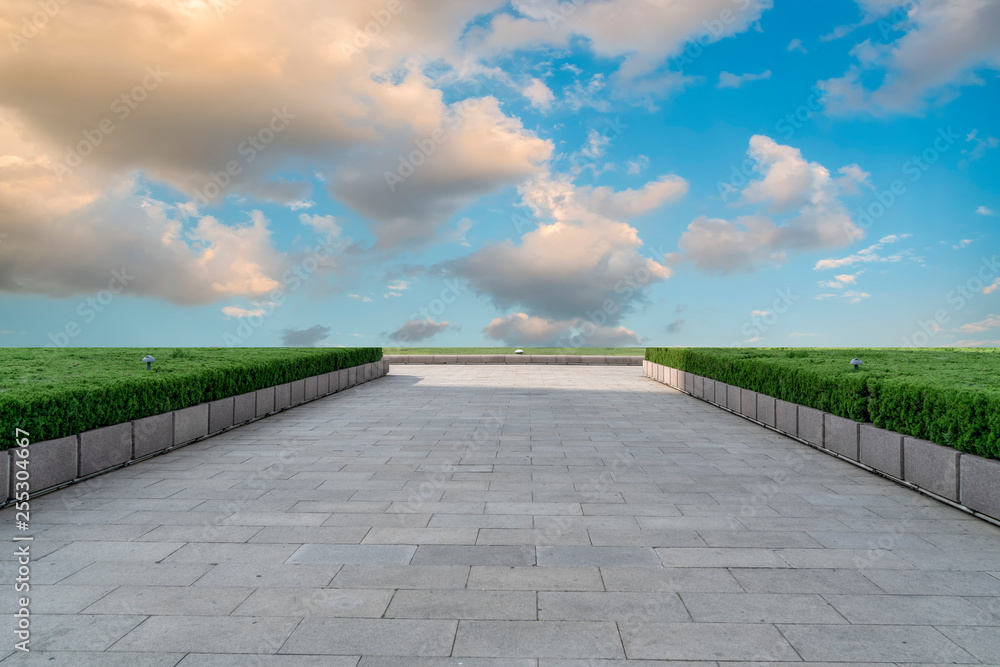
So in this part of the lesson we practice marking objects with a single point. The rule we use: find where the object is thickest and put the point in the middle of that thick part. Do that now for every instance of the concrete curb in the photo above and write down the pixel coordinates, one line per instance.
(54, 464)
(963, 480)
(451, 359)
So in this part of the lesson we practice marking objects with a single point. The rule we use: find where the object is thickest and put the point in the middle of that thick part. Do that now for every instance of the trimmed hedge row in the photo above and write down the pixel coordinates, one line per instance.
(56, 411)
(936, 407)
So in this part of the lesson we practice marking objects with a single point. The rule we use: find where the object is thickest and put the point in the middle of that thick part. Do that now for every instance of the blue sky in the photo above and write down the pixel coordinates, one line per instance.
(487, 173)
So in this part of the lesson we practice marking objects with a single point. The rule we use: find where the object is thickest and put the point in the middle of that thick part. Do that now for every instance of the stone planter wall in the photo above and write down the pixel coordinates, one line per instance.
(585, 359)
(964, 479)
(55, 463)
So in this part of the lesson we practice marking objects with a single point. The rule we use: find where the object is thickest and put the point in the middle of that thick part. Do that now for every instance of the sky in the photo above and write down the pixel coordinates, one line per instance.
(486, 173)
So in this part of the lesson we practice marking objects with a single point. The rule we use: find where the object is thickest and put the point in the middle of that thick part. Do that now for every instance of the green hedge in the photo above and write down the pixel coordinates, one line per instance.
(950, 396)
(56, 393)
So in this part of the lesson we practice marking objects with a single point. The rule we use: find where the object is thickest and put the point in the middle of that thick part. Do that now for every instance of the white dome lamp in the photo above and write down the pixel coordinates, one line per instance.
(149, 362)
(856, 363)
(519, 351)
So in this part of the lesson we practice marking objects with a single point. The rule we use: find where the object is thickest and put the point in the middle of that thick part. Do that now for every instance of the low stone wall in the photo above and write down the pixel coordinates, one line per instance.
(964, 479)
(55, 463)
(585, 359)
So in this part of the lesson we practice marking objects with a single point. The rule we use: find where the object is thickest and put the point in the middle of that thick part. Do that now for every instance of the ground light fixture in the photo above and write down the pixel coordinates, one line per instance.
(518, 351)
(856, 363)
(149, 362)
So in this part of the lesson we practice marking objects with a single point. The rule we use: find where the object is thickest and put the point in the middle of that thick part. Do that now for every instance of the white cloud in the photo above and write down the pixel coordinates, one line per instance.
(643, 34)
(414, 331)
(789, 185)
(866, 255)
(989, 289)
(796, 45)
(310, 337)
(358, 297)
(978, 150)
(637, 165)
(579, 258)
(239, 313)
(522, 329)
(760, 313)
(991, 322)
(849, 296)
(945, 43)
(729, 80)
(964, 243)
(982, 210)
(538, 94)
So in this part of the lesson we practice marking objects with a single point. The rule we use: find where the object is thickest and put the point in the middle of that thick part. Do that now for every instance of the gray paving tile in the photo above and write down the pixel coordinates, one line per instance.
(945, 582)
(215, 634)
(170, 601)
(804, 581)
(137, 574)
(541, 639)
(464, 604)
(353, 554)
(873, 643)
(322, 602)
(535, 578)
(596, 556)
(79, 632)
(401, 576)
(910, 610)
(670, 580)
(611, 606)
(96, 659)
(709, 641)
(63, 599)
(376, 637)
(759, 608)
(479, 555)
(222, 660)
(253, 574)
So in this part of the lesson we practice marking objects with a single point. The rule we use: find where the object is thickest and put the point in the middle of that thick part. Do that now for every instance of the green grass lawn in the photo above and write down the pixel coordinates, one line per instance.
(53, 392)
(948, 395)
(603, 351)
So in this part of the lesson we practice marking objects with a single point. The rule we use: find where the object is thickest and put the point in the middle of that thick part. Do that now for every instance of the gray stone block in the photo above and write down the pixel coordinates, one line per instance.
(594, 359)
(683, 379)
(811, 425)
(494, 359)
(323, 384)
(882, 450)
(5, 475)
(748, 403)
(190, 423)
(515, 359)
(670, 376)
(283, 396)
(841, 435)
(265, 401)
(50, 463)
(221, 414)
(472, 359)
(786, 417)
(574, 359)
(765, 410)
(733, 397)
(311, 387)
(710, 390)
(343, 379)
(698, 386)
(618, 361)
(933, 467)
(980, 484)
(645, 368)
(298, 391)
(153, 434)
(105, 447)
(421, 359)
(352, 376)
(244, 407)
(385, 366)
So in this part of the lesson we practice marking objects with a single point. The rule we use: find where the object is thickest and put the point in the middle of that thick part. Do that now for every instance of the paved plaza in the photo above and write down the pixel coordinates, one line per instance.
(545, 516)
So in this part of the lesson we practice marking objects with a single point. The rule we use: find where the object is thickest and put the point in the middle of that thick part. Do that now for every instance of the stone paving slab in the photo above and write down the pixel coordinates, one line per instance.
(514, 515)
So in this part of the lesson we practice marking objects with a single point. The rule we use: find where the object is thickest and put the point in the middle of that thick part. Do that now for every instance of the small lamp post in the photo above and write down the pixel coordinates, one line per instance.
(856, 363)
(149, 362)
